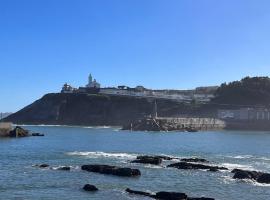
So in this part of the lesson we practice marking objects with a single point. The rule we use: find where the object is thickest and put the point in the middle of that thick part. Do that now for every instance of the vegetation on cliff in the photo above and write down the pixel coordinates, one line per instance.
(248, 91)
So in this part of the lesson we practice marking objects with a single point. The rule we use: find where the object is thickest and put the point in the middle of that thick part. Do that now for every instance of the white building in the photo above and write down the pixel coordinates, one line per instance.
(67, 88)
(92, 83)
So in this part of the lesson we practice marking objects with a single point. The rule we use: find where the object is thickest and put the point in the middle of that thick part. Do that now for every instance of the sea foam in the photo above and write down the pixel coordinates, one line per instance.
(100, 154)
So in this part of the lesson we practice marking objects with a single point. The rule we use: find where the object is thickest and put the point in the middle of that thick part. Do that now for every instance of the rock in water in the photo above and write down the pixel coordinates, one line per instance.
(43, 165)
(112, 170)
(171, 196)
(37, 134)
(138, 192)
(18, 132)
(194, 160)
(90, 188)
(260, 177)
(167, 195)
(65, 168)
(154, 160)
(186, 165)
(264, 178)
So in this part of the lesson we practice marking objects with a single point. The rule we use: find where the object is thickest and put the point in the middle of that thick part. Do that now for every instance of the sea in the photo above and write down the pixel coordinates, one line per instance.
(71, 146)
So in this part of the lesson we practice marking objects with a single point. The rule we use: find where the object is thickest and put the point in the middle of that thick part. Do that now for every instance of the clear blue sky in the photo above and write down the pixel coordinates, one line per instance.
(156, 43)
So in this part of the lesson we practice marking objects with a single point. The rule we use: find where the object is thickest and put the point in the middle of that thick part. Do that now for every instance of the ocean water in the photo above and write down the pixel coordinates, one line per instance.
(75, 146)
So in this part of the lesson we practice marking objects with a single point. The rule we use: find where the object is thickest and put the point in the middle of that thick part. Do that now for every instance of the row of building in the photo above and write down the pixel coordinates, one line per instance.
(202, 94)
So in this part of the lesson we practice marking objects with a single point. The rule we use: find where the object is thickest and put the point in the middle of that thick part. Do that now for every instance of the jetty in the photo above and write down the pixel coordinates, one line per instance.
(175, 124)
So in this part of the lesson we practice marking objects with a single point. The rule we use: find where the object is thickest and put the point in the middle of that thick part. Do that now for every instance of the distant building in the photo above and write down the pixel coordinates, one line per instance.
(202, 94)
(92, 83)
(245, 114)
(67, 88)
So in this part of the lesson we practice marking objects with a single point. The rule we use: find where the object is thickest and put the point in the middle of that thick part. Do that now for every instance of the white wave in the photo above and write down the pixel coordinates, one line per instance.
(241, 156)
(249, 157)
(100, 154)
(229, 180)
(238, 166)
(153, 166)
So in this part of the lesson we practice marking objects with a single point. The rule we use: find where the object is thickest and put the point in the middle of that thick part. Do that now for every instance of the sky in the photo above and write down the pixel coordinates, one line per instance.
(172, 44)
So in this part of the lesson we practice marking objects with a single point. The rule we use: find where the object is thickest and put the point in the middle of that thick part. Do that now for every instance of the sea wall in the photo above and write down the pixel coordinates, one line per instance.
(172, 124)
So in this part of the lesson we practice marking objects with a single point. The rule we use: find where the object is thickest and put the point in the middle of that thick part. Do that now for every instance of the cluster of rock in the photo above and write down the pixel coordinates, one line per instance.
(112, 170)
(196, 164)
(185, 163)
(188, 165)
(63, 168)
(167, 195)
(259, 177)
(19, 132)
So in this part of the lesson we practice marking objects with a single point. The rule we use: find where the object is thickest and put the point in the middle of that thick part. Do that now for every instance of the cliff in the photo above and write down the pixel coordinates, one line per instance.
(92, 109)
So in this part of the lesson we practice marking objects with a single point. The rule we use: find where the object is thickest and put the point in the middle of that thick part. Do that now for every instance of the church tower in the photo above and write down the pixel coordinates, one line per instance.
(90, 79)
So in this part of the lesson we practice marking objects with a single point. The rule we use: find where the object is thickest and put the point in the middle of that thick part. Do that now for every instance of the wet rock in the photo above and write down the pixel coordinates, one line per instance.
(171, 196)
(43, 165)
(186, 165)
(65, 168)
(18, 132)
(37, 134)
(138, 192)
(154, 160)
(199, 198)
(213, 170)
(167, 195)
(195, 160)
(90, 188)
(260, 177)
(111, 170)
(166, 157)
(264, 178)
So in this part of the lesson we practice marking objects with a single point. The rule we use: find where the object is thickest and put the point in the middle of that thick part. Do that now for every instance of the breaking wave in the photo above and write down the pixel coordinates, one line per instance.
(100, 154)
(249, 157)
(232, 166)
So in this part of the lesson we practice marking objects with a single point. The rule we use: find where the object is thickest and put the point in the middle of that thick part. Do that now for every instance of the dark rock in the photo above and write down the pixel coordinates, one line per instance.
(65, 168)
(138, 192)
(170, 196)
(213, 170)
(167, 195)
(43, 165)
(37, 134)
(186, 165)
(264, 178)
(194, 160)
(112, 170)
(242, 175)
(154, 160)
(166, 157)
(90, 188)
(199, 198)
(260, 177)
(18, 132)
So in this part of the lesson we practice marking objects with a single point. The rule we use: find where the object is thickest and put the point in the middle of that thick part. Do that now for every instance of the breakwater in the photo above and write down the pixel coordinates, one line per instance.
(171, 124)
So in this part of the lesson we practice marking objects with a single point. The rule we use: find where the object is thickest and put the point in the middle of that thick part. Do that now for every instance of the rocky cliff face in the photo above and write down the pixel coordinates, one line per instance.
(91, 109)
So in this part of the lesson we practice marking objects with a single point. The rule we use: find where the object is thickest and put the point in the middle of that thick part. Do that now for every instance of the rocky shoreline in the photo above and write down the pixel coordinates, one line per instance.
(19, 132)
(192, 163)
